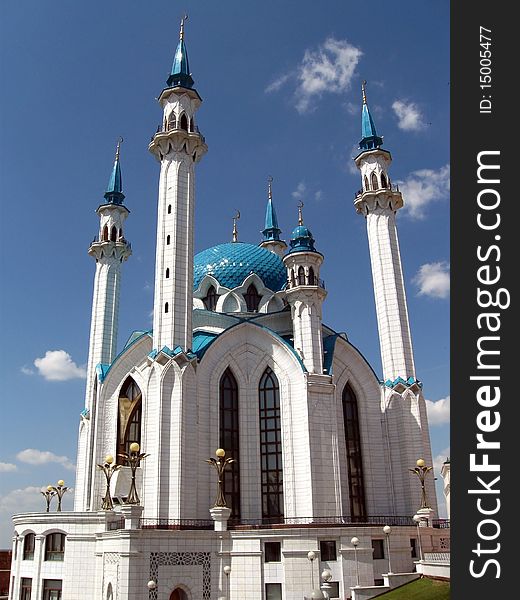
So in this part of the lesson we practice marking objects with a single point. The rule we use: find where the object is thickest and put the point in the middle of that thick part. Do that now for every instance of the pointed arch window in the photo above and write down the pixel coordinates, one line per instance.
(113, 234)
(312, 277)
(301, 276)
(375, 185)
(367, 187)
(354, 457)
(252, 298)
(172, 122)
(178, 594)
(270, 448)
(210, 301)
(105, 234)
(167, 272)
(384, 183)
(129, 416)
(229, 439)
(184, 122)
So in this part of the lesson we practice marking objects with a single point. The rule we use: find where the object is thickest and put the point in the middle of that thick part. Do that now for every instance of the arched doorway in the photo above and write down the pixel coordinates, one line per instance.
(178, 594)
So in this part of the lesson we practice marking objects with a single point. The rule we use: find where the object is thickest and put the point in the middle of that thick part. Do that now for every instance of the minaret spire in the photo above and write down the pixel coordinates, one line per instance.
(114, 193)
(271, 231)
(370, 139)
(235, 230)
(180, 75)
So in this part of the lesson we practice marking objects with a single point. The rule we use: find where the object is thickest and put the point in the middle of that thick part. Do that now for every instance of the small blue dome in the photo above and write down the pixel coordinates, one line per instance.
(302, 240)
(231, 263)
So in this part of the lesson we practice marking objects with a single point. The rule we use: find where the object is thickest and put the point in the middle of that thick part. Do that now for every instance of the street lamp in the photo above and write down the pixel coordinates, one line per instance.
(151, 585)
(108, 469)
(220, 465)
(387, 530)
(355, 542)
(227, 571)
(326, 575)
(59, 490)
(133, 458)
(48, 494)
(311, 556)
(421, 470)
(418, 519)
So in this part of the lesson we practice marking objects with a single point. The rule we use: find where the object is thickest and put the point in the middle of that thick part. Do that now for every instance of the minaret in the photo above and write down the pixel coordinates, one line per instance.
(177, 145)
(305, 294)
(109, 249)
(271, 231)
(379, 202)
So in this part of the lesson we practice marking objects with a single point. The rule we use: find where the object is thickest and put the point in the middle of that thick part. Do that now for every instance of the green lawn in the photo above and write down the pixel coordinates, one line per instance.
(421, 589)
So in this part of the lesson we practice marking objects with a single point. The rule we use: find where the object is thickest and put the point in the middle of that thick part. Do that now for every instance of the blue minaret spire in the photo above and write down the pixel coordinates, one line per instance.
(114, 193)
(370, 140)
(180, 75)
(271, 230)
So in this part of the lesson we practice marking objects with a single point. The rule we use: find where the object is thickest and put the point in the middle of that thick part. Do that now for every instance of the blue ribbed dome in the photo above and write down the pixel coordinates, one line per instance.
(302, 240)
(231, 263)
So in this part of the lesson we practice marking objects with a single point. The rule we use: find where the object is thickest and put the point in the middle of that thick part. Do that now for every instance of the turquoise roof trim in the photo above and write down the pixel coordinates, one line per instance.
(231, 263)
(202, 340)
(404, 382)
(103, 369)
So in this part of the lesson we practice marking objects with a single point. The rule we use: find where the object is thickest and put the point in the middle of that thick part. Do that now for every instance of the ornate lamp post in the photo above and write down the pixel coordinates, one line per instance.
(220, 463)
(355, 542)
(418, 519)
(227, 571)
(133, 458)
(59, 490)
(151, 585)
(387, 530)
(48, 494)
(421, 470)
(108, 469)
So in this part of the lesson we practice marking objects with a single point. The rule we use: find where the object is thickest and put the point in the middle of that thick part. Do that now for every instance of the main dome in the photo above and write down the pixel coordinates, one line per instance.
(231, 263)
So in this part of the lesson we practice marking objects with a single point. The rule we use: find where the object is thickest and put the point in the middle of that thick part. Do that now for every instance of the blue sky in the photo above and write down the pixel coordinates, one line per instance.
(281, 88)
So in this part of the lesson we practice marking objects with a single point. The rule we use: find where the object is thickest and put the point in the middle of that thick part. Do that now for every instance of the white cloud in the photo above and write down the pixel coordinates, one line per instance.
(439, 411)
(439, 460)
(330, 68)
(409, 116)
(318, 195)
(433, 279)
(23, 500)
(27, 371)
(57, 365)
(300, 190)
(423, 187)
(41, 457)
(7, 467)
(275, 85)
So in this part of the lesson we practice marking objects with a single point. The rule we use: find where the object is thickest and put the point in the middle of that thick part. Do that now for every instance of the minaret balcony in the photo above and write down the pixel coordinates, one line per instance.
(178, 139)
(121, 248)
(307, 282)
(389, 197)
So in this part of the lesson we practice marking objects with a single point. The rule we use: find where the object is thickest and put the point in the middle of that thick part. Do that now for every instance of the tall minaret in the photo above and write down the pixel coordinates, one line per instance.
(178, 145)
(379, 202)
(305, 294)
(109, 250)
(404, 409)
(271, 231)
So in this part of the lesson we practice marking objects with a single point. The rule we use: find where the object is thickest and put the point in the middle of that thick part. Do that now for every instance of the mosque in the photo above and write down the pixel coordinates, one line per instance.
(239, 359)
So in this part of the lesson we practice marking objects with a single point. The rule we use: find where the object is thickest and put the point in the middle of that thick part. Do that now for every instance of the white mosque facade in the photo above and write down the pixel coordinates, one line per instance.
(240, 359)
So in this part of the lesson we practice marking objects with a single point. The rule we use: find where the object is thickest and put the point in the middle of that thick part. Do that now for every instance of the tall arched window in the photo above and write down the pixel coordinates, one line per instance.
(113, 234)
(178, 594)
(270, 448)
(312, 277)
(384, 183)
(104, 236)
(354, 457)
(167, 273)
(28, 546)
(229, 439)
(129, 416)
(210, 301)
(301, 276)
(54, 546)
(172, 123)
(375, 185)
(184, 122)
(252, 299)
(366, 183)
(110, 593)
